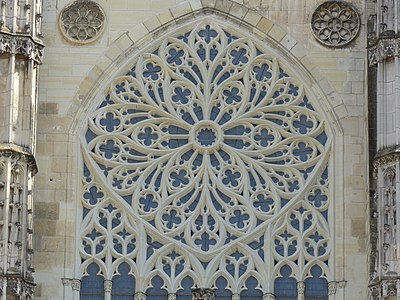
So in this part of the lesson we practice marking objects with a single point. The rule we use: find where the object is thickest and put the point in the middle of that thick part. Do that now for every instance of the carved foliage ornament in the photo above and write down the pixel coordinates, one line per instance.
(335, 23)
(384, 49)
(203, 294)
(82, 21)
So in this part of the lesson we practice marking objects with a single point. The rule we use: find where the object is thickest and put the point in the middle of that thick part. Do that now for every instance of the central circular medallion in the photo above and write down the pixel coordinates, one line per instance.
(206, 136)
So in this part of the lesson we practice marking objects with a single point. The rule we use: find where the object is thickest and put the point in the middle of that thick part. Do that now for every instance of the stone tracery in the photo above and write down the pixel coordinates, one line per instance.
(335, 23)
(200, 152)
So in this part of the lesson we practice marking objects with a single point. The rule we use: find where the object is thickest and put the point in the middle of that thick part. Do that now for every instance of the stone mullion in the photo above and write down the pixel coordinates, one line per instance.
(24, 222)
(107, 289)
(269, 258)
(301, 286)
(14, 224)
(396, 92)
(397, 216)
(380, 223)
(6, 211)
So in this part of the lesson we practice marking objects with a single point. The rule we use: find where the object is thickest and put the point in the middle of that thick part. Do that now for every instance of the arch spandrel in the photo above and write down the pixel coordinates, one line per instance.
(206, 155)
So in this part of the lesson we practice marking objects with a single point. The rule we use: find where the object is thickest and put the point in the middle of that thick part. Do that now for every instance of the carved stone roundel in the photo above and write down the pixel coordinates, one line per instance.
(335, 23)
(82, 21)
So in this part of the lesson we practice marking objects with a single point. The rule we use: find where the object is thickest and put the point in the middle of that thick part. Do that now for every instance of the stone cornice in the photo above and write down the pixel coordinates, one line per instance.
(19, 153)
(384, 288)
(385, 47)
(23, 45)
(15, 285)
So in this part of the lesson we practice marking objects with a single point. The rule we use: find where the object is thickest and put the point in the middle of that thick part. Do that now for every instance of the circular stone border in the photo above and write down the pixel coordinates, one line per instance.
(335, 23)
(82, 21)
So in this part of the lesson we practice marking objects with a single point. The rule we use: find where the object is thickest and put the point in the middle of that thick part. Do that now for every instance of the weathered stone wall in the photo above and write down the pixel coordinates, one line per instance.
(72, 73)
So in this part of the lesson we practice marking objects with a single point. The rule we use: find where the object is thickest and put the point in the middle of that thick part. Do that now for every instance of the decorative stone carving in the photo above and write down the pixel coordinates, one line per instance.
(171, 296)
(199, 157)
(22, 45)
(235, 297)
(107, 286)
(203, 294)
(17, 153)
(385, 157)
(269, 296)
(82, 21)
(332, 287)
(17, 286)
(335, 23)
(384, 48)
(139, 296)
(301, 286)
(76, 284)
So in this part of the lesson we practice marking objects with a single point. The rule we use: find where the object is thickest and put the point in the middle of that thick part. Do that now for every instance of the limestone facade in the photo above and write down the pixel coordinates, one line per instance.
(82, 60)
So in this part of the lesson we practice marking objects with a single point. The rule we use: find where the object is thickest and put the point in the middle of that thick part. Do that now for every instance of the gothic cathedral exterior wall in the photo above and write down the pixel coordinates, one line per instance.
(78, 73)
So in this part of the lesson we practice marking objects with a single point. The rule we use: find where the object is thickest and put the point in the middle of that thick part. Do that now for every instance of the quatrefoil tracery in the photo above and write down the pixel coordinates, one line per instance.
(206, 142)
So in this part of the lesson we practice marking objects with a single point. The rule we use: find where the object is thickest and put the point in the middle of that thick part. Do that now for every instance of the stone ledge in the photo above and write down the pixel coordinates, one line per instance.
(18, 152)
(23, 45)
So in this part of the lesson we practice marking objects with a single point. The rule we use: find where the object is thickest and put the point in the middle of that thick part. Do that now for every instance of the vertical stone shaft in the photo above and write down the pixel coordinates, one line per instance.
(20, 54)
(384, 53)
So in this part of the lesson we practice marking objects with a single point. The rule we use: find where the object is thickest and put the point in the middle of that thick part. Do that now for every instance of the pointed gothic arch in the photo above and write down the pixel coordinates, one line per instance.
(98, 99)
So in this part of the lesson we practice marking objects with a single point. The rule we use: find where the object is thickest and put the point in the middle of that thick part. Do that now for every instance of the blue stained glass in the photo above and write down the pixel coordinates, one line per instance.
(147, 136)
(179, 178)
(239, 218)
(106, 102)
(90, 135)
(237, 130)
(152, 71)
(206, 137)
(303, 124)
(157, 292)
(285, 287)
(302, 151)
(152, 245)
(263, 203)
(205, 241)
(123, 285)
(221, 292)
(262, 72)
(110, 122)
(239, 56)
(317, 198)
(92, 286)
(322, 138)
(93, 195)
(171, 219)
(258, 245)
(316, 286)
(252, 292)
(109, 149)
(185, 101)
(306, 103)
(185, 293)
(264, 138)
(208, 34)
(175, 56)
(232, 95)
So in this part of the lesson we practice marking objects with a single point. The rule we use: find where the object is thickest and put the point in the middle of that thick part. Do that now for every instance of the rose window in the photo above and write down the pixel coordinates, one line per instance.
(206, 166)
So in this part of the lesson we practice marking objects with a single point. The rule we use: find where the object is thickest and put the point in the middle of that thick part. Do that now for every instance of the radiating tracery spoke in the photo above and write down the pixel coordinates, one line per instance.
(204, 141)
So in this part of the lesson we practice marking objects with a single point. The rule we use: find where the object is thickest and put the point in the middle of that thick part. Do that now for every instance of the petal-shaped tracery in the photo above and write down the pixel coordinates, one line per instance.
(206, 143)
